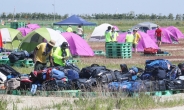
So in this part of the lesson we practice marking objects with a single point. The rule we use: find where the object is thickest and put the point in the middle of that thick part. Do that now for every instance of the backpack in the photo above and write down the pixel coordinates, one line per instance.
(72, 66)
(124, 68)
(83, 84)
(13, 83)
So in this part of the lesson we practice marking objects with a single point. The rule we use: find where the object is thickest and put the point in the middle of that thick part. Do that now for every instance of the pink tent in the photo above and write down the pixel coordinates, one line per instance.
(145, 41)
(116, 28)
(176, 32)
(167, 38)
(78, 46)
(33, 26)
(24, 31)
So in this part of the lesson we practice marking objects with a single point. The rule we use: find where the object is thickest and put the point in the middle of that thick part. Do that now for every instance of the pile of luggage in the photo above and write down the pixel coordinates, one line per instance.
(158, 75)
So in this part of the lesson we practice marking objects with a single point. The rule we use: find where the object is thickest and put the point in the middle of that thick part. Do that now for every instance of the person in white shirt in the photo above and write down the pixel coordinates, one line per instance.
(80, 31)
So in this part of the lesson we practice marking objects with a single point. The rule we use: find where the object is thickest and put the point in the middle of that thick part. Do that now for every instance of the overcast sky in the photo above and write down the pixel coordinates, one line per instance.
(94, 6)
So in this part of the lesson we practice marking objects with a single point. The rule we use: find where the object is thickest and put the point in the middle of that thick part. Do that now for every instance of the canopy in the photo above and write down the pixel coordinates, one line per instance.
(145, 26)
(24, 31)
(41, 35)
(74, 20)
(99, 32)
(167, 38)
(144, 42)
(175, 31)
(78, 46)
(33, 26)
(11, 38)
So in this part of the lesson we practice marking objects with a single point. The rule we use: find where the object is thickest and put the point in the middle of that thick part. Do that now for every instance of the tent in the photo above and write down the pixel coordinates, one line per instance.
(32, 26)
(74, 20)
(167, 38)
(99, 32)
(78, 46)
(145, 26)
(11, 38)
(24, 31)
(144, 42)
(175, 31)
(40, 35)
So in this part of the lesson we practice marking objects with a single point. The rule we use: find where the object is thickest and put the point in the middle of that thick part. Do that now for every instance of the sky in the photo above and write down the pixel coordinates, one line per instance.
(70, 7)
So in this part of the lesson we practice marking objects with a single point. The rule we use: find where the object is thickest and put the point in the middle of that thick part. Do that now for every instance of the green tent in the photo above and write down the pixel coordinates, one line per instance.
(41, 35)
(11, 38)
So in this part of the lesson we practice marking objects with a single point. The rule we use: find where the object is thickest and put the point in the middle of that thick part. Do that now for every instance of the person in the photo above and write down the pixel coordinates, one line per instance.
(158, 35)
(114, 35)
(41, 53)
(69, 29)
(108, 35)
(129, 37)
(61, 54)
(80, 31)
(136, 39)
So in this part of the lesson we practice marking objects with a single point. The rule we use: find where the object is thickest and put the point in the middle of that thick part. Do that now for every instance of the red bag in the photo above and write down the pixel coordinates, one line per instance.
(150, 51)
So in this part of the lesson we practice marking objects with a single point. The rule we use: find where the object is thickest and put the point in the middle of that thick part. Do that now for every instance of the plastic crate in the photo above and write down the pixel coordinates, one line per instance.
(28, 63)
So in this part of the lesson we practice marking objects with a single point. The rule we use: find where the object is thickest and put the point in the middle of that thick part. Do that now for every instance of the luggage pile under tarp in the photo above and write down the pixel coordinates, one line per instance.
(158, 75)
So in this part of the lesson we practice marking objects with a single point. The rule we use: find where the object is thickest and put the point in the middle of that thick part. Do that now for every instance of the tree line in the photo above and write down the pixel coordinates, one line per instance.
(51, 16)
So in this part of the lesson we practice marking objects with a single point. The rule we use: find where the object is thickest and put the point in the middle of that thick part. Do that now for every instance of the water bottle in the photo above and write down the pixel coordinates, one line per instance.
(33, 89)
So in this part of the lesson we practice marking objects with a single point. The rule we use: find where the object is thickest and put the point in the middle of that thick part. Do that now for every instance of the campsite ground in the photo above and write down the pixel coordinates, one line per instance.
(54, 103)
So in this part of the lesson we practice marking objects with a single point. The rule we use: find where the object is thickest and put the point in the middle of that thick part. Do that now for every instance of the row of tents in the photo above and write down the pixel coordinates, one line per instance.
(13, 39)
(27, 38)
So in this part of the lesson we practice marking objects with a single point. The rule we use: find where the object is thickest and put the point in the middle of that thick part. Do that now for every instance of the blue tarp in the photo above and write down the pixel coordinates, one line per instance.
(74, 20)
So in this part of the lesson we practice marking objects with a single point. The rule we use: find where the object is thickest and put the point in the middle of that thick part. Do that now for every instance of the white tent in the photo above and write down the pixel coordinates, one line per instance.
(145, 26)
(99, 32)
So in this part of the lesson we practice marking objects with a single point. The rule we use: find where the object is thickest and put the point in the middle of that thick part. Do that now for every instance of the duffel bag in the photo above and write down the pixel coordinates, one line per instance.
(72, 74)
(15, 56)
(150, 51)
(91, 71)
(175, 84)
(106, 76)
(57, 74)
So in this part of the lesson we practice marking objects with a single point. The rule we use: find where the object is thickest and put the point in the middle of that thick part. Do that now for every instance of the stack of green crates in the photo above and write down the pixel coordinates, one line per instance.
(118, 50)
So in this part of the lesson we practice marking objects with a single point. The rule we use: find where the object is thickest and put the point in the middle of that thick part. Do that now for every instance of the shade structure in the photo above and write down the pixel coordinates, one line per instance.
(41, 35)
(167, 38)
(145, 26)
(175, 31)
(144, 42)
(11, 38)
(74, 20)
(32, 26)
(78, 46)
(24, 31)
(98, 33)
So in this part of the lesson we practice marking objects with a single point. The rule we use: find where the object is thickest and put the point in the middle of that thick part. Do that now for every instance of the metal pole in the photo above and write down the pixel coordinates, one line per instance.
(13, 13)
(54, 10)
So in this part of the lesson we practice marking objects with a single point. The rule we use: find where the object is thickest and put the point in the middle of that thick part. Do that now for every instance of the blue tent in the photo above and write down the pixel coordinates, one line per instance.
(74, 20)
